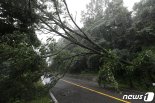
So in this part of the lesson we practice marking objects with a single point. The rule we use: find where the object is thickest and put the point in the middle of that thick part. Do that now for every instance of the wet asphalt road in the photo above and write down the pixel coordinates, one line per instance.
(69, 90)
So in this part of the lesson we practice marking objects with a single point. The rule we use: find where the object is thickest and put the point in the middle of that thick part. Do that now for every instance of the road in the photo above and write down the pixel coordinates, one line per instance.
(69, 90)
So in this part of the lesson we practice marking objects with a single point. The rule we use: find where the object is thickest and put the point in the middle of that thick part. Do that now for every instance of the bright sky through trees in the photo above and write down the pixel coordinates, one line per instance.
(76, 6)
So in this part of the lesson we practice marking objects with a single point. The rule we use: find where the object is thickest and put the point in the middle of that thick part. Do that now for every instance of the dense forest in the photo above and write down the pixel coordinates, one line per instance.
(20, 65)
(114, 43)
(127, 54)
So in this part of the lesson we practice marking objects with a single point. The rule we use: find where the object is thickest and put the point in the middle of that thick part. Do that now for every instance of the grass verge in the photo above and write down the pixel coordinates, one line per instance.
(41, 94)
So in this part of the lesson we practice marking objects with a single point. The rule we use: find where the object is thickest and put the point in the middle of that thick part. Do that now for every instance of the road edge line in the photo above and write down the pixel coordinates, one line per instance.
(53, 97)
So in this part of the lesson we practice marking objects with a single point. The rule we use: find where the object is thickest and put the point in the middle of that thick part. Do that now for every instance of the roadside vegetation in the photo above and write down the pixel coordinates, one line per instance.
(41, 94)
(126, 58)
(20, 65)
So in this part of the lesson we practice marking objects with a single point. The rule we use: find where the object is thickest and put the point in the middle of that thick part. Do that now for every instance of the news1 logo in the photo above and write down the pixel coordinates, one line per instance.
(147, 97)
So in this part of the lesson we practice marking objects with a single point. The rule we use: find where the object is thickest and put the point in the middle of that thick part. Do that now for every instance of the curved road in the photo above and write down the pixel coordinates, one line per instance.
(69, 90)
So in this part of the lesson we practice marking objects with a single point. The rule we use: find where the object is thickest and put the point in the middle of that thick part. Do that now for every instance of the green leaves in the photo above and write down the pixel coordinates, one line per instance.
(18, 62)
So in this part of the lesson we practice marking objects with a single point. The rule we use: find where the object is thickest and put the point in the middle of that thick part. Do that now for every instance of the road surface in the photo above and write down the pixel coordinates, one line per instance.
(69, 90)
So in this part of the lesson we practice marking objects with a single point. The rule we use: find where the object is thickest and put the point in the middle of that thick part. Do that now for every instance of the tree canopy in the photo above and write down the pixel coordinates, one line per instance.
(114, 43)
(20, 64)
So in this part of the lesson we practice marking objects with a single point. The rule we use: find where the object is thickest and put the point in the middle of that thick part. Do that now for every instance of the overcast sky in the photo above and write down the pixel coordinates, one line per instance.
(76, 6)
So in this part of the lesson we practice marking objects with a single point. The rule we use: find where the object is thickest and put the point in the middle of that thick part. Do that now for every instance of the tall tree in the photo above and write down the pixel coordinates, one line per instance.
(20, 65)
(95, 11)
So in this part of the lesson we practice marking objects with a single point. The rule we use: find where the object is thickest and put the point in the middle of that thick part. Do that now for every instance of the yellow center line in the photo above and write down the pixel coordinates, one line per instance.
(95, 91)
